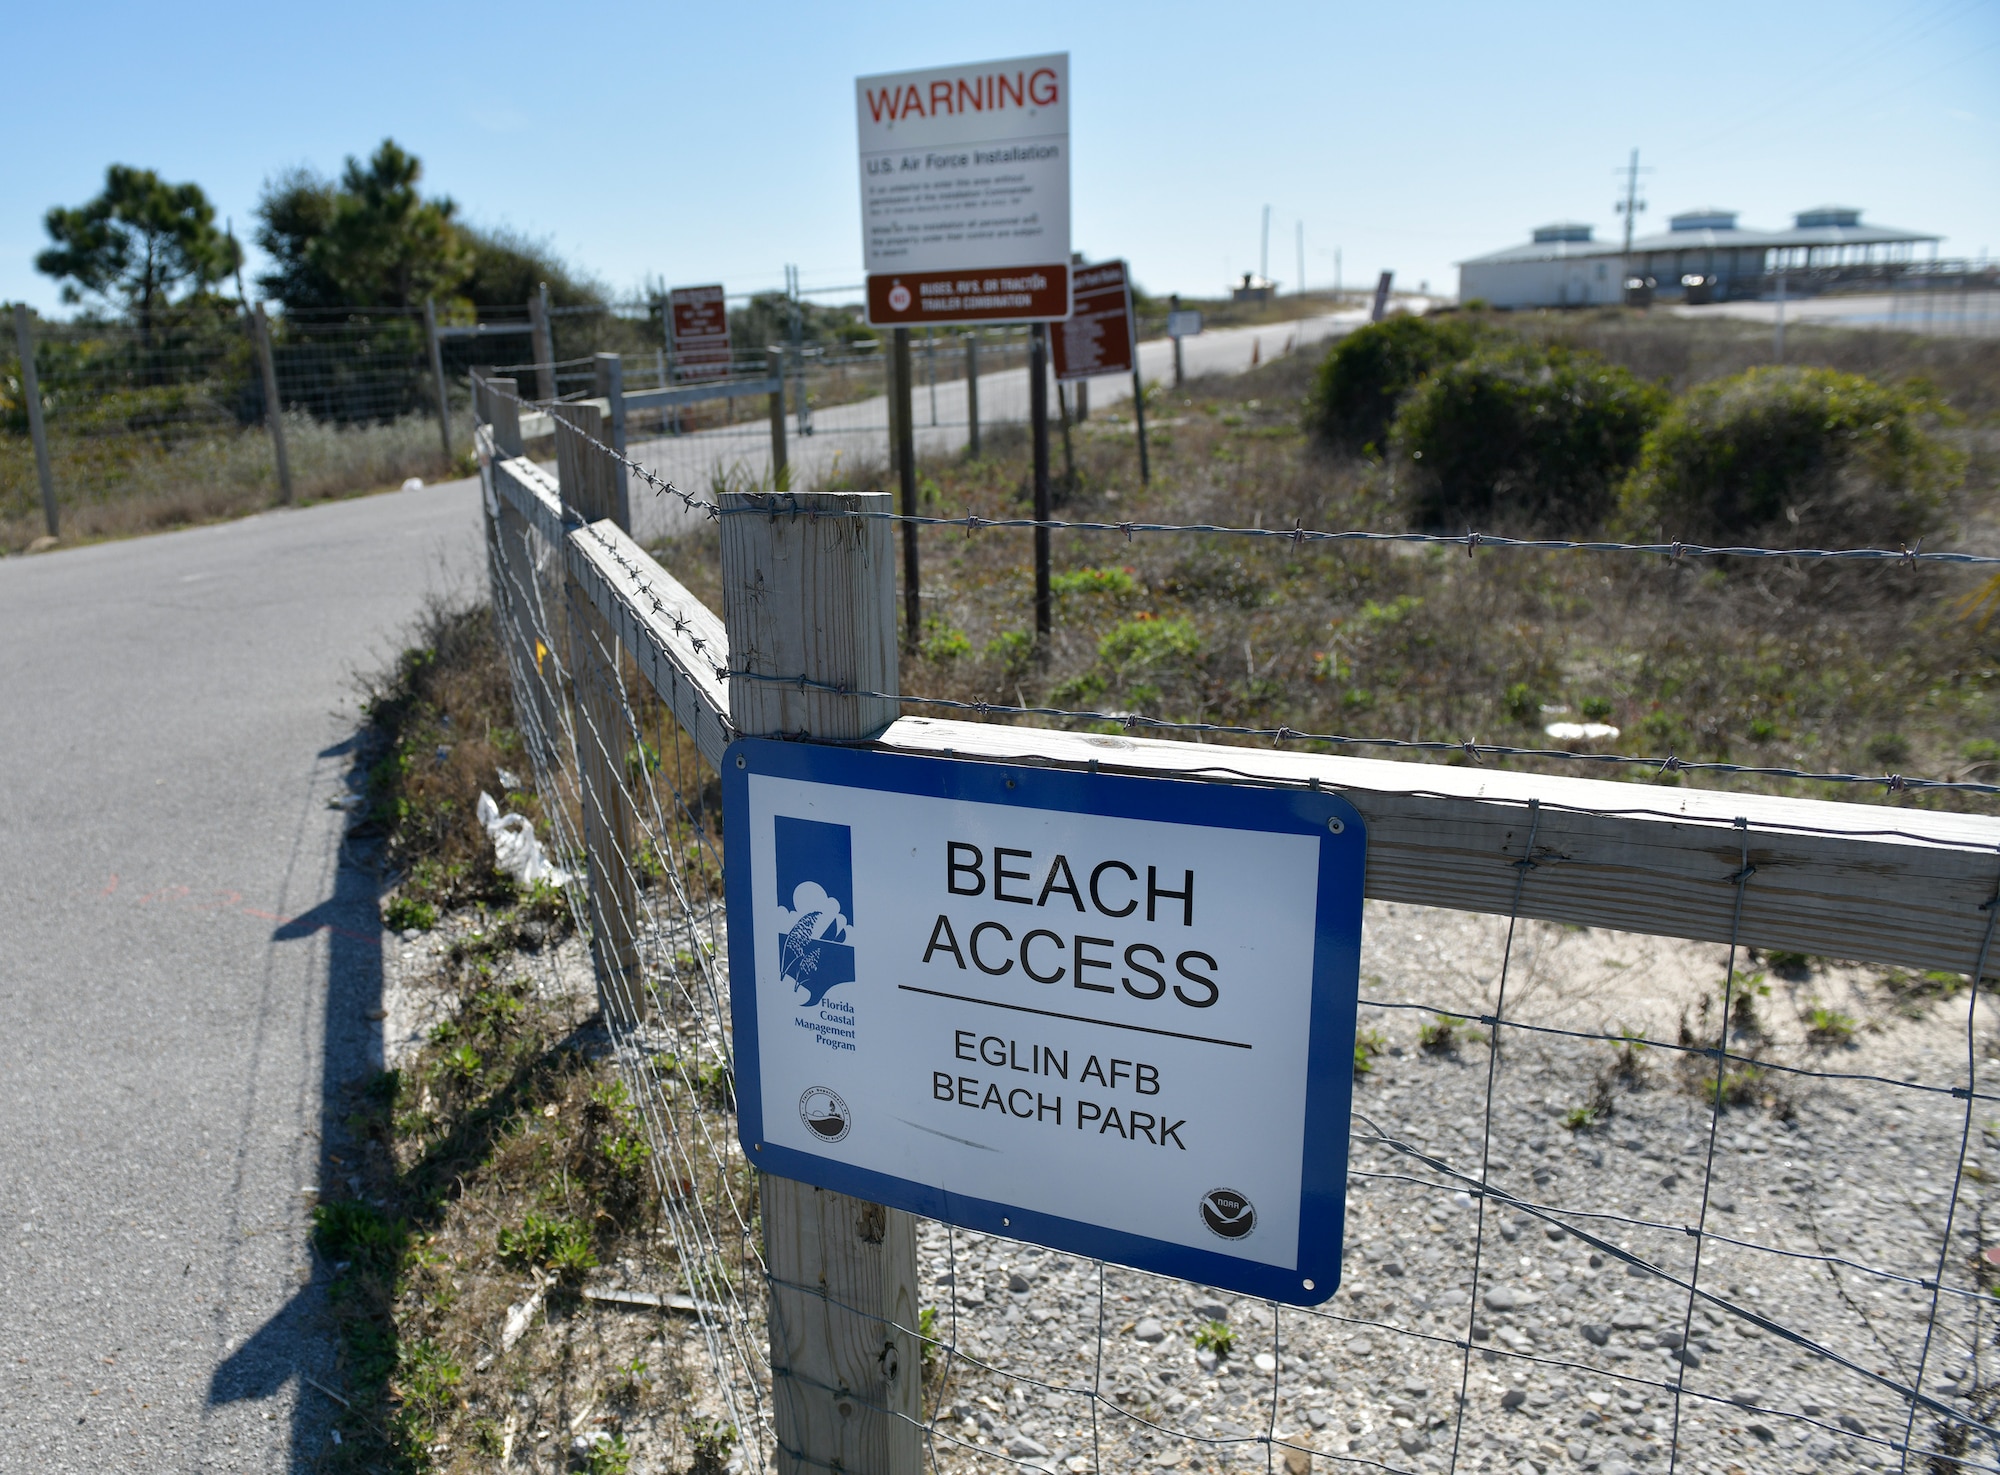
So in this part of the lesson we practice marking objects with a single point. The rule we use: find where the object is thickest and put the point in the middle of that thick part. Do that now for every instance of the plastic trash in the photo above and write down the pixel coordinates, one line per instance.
(509, 780)
(1576, 732)
(516, 851)
(413, 484)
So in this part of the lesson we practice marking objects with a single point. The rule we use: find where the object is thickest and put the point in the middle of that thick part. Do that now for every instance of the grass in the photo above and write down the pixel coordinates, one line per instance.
(120, 485)
(1766, 663)
(505, 1154)
(1829, 1027)
(1442, 1035)
(1216, 1337)
(1368, 1043)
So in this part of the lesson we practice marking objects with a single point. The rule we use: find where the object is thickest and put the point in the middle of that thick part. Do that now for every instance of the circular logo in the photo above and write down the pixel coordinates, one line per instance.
(827, 1115)
(899, 298)
(1227, 1213)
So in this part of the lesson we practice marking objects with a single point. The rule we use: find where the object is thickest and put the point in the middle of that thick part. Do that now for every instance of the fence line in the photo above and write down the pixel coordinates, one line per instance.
(1914, 887)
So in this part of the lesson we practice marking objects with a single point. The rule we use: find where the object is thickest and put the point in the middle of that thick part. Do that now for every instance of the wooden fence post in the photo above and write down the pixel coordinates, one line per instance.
(544, 343)
(437, 379)
(816, 597)
(611, 387)
(522, 559)
(774, 364)
(274, 409)
(31, 390)
(586, 477)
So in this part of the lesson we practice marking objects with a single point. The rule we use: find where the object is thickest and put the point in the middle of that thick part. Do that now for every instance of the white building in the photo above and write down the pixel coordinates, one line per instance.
(1703, 256)
(1561, 267)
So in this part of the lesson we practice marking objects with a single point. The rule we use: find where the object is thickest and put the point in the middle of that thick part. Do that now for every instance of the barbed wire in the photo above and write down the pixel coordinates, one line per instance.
(708, 1234)
(774, 504)
(1477, 751)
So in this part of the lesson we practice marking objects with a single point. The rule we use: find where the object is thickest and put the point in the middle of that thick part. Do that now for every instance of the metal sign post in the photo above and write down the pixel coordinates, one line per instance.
(1181, 323)
(1110, 1015)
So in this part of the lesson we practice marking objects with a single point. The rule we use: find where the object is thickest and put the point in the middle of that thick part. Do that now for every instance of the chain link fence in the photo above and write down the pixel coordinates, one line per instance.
(1717, 1200)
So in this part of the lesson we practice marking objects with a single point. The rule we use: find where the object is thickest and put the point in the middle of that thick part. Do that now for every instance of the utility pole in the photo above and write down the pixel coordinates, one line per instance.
(1300, 290)
(1264, 250)
(1630, 207)
(1336, 273)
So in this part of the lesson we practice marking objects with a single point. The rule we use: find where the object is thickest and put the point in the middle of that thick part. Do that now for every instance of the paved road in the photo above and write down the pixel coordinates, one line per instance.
(186, 969)
(1939, 314)
(858, 433)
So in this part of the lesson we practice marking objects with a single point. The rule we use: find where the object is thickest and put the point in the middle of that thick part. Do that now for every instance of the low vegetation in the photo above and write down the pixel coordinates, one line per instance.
(476, 1189)
(1875, 668)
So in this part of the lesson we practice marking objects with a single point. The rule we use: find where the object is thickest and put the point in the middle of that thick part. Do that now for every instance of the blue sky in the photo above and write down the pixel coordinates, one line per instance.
(716, 142)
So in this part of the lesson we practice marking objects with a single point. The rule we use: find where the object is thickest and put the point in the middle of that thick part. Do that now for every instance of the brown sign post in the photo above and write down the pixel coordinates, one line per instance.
(1099, 337)
(700, 332)
(1102, 338)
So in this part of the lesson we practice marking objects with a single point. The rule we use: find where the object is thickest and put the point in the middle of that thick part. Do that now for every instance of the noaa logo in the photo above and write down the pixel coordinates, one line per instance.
(1227, 1213)
(824, 1112)
(815, 864)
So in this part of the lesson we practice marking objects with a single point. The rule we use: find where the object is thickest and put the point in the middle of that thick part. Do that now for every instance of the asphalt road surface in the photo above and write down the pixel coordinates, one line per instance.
(859, 432)
(186, 969)
(189, 964)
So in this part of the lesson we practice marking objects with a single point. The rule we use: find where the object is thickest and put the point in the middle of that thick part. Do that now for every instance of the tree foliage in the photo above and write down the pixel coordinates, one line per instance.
(370, 240)
(1535, 438)
(1800, 455)
(139, 240)
(1356, 391)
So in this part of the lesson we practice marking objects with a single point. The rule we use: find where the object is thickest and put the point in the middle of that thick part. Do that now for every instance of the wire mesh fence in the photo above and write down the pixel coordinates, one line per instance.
(1615, 1202)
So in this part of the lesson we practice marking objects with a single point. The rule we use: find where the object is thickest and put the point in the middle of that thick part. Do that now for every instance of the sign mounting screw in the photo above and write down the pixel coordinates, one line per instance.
(1333, 821)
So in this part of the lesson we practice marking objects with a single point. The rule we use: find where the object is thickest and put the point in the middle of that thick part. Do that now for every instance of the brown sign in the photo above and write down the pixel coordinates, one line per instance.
(700, 332)
(1014, 294)
(1098, 338)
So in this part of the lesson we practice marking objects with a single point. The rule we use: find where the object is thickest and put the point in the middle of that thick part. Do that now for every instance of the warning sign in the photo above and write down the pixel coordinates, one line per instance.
(700, 328)
(965, 192)
(1099, 336)
(1110, 1015)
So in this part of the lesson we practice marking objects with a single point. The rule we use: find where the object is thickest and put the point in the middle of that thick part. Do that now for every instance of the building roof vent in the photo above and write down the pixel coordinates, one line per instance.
(1562, 230)
(1821, 215)
(1704, 220)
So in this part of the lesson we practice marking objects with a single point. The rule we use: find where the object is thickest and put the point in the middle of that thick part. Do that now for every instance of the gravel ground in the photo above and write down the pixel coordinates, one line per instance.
(1574, 1353)
(1825, 1205)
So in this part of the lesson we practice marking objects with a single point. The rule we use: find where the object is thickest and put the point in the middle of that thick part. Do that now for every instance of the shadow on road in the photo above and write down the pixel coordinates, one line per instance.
(296, 1340)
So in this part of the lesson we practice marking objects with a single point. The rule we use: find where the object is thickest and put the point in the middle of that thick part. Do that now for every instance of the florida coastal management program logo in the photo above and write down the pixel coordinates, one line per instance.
(1228, 1214)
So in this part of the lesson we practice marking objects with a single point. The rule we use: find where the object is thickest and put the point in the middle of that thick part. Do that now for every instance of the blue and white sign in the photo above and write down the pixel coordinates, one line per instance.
(1110, 1015)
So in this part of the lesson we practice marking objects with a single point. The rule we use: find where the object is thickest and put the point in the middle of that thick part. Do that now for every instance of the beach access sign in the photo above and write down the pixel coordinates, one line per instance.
(1098, 338)
(1110, 1015)
(699, 319)
(965, 192)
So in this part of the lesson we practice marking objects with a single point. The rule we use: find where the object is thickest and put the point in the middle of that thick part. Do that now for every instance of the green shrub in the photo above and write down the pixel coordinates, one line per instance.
(1800, 455)
(405, 912)
(943, 641)
(1216, 1337)
(558, 1244)
(1356, 391)
(1147, 644)
(1530, 438)
(354, 1231)
(1109, 581)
